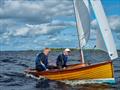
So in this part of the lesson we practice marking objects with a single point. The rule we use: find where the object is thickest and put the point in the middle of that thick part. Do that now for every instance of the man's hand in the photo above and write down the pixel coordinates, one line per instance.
(47, 69)
(64, 68)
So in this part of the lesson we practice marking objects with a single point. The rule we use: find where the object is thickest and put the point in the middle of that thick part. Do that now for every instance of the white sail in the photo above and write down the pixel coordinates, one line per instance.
(83, 21)
(100, 44)
(105, 39)
(87, 4)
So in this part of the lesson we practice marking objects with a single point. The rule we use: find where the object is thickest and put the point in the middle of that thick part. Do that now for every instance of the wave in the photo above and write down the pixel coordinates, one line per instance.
(8, 61)
(13, 74)
(6, 79)
(23, 65)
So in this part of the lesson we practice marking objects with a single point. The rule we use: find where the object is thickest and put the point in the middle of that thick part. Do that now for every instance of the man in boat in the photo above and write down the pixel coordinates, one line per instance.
(61, 62)
(42, 60)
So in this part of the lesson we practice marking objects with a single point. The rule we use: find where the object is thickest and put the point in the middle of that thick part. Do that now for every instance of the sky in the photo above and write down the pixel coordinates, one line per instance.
(35, 24)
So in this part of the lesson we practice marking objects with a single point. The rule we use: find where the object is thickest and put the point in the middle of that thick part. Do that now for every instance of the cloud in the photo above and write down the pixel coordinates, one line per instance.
(114, 22)
(10, 28)
(32, 22)
(42, 29)
(31, 18)
(21, 32)
(27, 24)
(40, 34)
(39, 11)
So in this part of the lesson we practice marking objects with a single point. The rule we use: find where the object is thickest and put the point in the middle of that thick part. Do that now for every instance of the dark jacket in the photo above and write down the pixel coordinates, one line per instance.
(61, 61)
(41, 58)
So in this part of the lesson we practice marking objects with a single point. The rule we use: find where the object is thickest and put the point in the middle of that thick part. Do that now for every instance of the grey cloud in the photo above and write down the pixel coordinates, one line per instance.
(15, 30)
(114, 22)
(15, 14)
(39, 11)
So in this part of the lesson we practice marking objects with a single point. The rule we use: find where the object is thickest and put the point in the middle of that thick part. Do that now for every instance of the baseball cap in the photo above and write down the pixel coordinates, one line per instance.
(67, 50)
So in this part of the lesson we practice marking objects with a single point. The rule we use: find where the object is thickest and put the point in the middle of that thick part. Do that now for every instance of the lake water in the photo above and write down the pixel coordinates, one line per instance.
(13, 64)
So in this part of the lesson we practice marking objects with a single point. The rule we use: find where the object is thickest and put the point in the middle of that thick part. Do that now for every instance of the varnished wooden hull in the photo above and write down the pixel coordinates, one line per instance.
(78, 72)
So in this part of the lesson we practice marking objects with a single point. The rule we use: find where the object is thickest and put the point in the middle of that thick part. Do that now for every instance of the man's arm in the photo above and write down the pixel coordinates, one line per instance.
(41, 58)
(65, 61)
(43, 65)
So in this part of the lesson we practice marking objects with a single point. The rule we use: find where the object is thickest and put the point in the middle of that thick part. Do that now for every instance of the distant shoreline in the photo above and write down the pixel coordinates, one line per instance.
(53, 49)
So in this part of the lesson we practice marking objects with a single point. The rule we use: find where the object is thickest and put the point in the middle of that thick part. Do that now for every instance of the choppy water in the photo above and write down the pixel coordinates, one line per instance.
(13, 64)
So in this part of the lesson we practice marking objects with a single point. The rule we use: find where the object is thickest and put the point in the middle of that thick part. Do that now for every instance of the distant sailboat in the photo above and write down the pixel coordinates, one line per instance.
(103, 71)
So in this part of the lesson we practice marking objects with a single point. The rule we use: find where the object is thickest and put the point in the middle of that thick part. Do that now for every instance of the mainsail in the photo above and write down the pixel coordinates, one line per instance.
(83, 20)
(82, 14)
(105, 39)
(87, 4)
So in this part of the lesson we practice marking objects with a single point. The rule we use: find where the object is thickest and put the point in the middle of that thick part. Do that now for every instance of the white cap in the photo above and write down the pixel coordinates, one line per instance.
(67, 50)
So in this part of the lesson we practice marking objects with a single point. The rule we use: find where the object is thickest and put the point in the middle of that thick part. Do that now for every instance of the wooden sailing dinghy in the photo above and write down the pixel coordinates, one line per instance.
(99, 71)
(78, 72)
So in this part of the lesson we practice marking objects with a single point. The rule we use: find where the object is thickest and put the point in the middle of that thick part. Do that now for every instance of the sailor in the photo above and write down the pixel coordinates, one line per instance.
(41, 61)
(61, 62)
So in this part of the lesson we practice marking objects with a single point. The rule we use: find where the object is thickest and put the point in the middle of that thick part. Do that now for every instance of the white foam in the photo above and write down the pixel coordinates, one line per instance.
(32, 76)
(77, 82)
(90, 81)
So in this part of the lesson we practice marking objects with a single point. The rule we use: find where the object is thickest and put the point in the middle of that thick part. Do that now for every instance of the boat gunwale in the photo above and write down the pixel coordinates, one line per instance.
(53, 72)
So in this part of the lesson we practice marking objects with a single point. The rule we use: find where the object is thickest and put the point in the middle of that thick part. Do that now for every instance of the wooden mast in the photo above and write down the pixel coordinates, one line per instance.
(82, 56)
